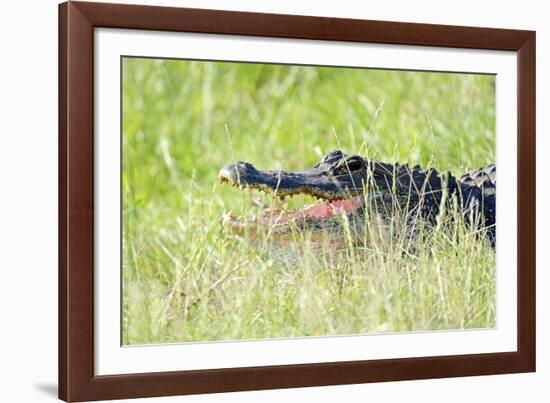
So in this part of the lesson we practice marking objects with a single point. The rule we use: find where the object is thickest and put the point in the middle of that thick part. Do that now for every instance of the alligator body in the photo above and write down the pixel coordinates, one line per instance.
(350, 185)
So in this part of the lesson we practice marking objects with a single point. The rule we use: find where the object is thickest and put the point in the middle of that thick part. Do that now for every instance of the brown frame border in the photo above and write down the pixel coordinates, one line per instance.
(77, 21)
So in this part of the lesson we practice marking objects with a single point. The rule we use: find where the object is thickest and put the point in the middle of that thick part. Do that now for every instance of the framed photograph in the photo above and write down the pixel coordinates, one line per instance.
(254, 201)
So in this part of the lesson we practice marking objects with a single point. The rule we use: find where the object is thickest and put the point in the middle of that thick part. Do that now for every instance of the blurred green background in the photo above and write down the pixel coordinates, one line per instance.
(183, 120)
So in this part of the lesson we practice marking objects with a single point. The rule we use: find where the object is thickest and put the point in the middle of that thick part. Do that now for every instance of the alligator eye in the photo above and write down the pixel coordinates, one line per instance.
(350, 165)
(354, 164)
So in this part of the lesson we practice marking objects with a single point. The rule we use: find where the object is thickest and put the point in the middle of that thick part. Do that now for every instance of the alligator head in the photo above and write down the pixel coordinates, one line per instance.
(340, 182)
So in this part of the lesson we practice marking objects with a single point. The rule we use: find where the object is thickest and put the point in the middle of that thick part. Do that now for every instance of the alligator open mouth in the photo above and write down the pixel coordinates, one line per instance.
(337, 195)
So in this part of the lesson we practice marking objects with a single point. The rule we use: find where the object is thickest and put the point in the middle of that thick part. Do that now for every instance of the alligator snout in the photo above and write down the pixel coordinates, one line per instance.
(237, 173)
(320, 181)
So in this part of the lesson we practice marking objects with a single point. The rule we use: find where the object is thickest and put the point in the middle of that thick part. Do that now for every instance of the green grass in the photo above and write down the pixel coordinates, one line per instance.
(185, 279)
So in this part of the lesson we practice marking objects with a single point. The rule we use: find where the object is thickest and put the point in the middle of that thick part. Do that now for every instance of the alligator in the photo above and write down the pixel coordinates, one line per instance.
(350, 186)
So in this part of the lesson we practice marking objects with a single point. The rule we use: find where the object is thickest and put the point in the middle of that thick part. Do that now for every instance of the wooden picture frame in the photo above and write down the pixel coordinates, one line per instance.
(77, 21)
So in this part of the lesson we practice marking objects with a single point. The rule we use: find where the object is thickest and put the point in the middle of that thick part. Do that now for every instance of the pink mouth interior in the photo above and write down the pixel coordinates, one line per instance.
(321, 209)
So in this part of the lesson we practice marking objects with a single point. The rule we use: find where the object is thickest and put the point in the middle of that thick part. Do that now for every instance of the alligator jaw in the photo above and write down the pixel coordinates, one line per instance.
(313, 182)
(336, 198)
(321, 215)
